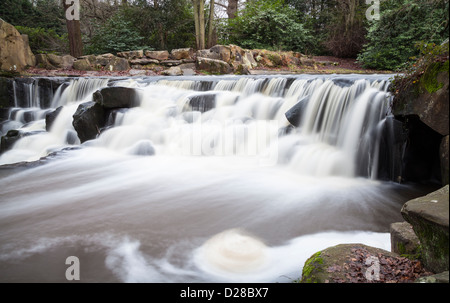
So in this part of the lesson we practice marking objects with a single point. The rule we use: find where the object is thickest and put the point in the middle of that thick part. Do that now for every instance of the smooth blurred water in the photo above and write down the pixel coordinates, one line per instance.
(169, 194)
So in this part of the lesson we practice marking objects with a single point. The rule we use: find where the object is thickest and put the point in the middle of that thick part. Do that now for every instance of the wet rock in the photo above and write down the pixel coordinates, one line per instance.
(202, 103)
(438, 278)
(294, 114)
(444, 160)
(429, 216)
(89, 118)
(403, 239)
(51, 117)
(6, 92)
(116, 97)
(142, 148)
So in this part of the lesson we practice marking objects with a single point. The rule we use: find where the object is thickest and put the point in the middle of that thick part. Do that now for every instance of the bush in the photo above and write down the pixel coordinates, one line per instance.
(45, 40)
(267, 24)
(117, 35)
(403, 23)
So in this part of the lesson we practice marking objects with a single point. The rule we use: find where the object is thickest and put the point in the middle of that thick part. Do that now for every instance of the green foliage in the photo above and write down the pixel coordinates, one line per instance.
(45, 40)
(117, 35)
(169, 25)
(46, 14)
(267, 24)
(403, 23)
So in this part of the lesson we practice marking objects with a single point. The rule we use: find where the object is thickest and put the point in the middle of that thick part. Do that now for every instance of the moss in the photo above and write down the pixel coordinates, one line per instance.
(311, 268)
(429, 79)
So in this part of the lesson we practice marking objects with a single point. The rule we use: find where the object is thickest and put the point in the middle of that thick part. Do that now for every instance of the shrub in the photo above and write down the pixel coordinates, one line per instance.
(403, 23)
(45, 40)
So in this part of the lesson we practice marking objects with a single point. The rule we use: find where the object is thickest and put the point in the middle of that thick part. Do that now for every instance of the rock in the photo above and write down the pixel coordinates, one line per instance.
(173, 71)
(142, 148)
(202, 103)
(222, 52)
(88, 120)
(116, 97)
(118, 64)
(144, 61)
(403, 239)
(67, 62)
(182, 53)
(83, 65)
(444, 160)
(6, 92)
(157, 55)
(42, 61)
(131, 54)
(213, 66)
(8, 140)
(171, 62)
(438, 278)
(15, 52)
(429, 216)
(428, 99)
(358, 263)
(294, 114)
(55, 60)
(51, 117)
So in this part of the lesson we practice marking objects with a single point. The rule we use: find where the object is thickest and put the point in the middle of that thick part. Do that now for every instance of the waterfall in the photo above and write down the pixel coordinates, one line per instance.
(236, 116)
(204, 179)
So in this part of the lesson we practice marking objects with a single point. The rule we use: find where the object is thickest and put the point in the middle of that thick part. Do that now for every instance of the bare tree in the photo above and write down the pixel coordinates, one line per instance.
(74, 31)
(199, 18)
(211, 29)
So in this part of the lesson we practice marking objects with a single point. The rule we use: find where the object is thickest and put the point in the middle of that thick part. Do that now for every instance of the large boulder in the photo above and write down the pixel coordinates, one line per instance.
(428, 98)
(157, 55)
(213, 66)
(82, 65)
(429, 216)
(116, 97)
(182, 53)
(15, 52)
(358, 263)
(88, 120)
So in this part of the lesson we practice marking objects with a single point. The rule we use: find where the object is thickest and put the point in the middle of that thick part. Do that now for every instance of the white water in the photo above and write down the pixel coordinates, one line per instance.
(170, 195)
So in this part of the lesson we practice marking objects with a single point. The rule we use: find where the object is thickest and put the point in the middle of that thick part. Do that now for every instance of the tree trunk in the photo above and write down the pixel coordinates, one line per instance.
(73, 29)
(211, 29)
(199, 18)
(232, 8)
(202, 23)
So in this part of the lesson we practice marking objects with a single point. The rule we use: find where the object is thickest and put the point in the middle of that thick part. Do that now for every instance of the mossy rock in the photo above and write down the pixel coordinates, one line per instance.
(335, 264)
(429, 216)
(430, 79)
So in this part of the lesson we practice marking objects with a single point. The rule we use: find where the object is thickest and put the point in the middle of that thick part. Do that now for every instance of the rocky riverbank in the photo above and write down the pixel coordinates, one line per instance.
(419, 250)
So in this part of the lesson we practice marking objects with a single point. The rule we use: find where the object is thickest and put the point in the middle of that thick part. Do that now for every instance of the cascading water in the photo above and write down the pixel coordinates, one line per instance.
(204, 181)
